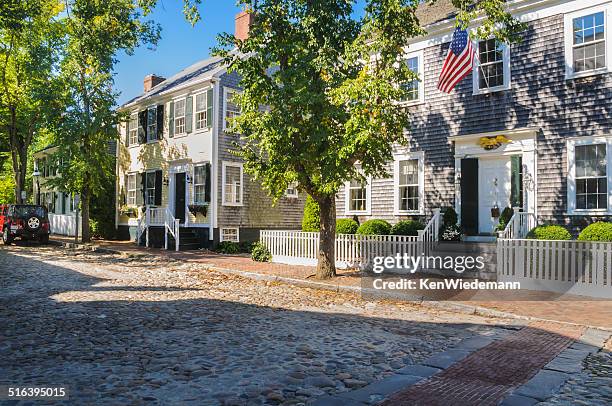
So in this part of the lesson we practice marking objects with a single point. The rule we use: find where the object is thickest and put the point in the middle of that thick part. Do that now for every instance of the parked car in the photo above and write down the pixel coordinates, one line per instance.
(24, 221)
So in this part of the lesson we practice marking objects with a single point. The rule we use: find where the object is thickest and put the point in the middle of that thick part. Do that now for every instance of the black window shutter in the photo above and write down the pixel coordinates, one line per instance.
(207, 185)
(142, 127)
(209, 108)
(143, 180)
(127, 133)
(188, 114)
(158, 188)
(160, 121)
(171, 120)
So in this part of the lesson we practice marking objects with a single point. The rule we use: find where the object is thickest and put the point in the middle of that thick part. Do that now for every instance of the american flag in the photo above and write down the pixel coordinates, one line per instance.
(458, 62)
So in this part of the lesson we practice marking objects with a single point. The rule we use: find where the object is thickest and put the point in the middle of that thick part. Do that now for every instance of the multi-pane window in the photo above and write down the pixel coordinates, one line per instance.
(591, 176)
(232, 110)
(203, 110)
(358, 194)
(133, 130)
(412, 87)
(291, 190)
(152, 124)
(150, 188)
(589, 43)
(491, 69)
(131, 189)
(232, 184)
(199, 184)
(179, 117)
(409, 185)
(229, 234)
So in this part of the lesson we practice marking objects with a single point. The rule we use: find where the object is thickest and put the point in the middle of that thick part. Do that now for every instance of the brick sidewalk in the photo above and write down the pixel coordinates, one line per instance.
(597, 313)
(487, 375)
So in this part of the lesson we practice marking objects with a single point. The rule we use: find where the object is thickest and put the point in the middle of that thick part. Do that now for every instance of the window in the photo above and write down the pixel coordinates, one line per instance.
(199, 184)
(587, 41)
(133, 130)
(493, 66)
(152, 124)
(415, 88)
(589, 180)
(179, 117)
(149, 188)
(204, 114)
(229, 234)
(231, 108)
(292, 191)
(232, 184)
(357, 196)
(408, 173)
(131, 189)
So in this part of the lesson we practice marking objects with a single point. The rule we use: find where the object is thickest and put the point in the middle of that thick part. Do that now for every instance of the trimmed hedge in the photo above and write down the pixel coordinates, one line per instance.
(374, 227)
(449, 217)
(228, 247)
(260, 253)
(598, 231)
(549, 232)
(407, 227)
(311, 220)
(346, 226)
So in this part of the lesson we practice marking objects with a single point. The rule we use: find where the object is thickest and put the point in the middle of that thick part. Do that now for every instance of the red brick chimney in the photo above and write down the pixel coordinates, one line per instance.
(151, 81)
(243, 24)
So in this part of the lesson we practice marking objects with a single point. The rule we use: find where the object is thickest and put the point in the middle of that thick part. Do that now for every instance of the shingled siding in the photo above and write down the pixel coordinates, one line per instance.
(257, 210)
(539, 97)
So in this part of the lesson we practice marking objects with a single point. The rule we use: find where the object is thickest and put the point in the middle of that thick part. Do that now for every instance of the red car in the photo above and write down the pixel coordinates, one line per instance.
(24, 221)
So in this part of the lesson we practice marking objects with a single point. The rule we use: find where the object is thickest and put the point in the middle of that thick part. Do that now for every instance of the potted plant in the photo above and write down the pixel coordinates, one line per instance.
(196, 209)
(128, 211)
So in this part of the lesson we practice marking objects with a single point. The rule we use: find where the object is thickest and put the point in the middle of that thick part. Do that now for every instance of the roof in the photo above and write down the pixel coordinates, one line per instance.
(430, 13)
(192, 74)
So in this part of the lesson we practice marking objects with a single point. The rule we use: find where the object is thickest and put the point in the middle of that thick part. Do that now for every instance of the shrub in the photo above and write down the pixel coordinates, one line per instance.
(260, 253)
(449, 217)
(374, 227)
(549, 232)
(311, 220)
(599, 231)
(228, 247)
(407, 227)
(346, 226)
(504, 218)
(451, 233)
(245, 246)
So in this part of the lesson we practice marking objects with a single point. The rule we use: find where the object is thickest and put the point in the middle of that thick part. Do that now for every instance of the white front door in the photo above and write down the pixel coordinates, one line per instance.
(493, 190)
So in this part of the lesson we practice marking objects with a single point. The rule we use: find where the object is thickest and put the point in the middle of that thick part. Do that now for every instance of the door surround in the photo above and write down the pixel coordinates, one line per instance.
(173, 169)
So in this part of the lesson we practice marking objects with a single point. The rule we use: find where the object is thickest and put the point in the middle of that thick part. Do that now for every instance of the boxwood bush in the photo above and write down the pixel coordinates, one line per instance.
(228, 247)
(407, 227)
(449, 217)
(599, 231)
(346, 226)
(311, 220)
(260, 253)
(549, 232)
(374, 227)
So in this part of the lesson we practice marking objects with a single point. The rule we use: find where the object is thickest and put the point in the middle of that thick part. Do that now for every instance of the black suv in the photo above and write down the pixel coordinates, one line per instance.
(24, 221)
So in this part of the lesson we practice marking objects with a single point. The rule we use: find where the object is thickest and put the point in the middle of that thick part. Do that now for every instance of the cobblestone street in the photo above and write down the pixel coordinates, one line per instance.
(119, 329)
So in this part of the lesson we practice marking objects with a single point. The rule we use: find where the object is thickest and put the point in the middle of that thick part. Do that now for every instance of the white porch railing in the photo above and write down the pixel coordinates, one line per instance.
(430, 234)
(519, 225)
(158, 217)
(576, 267)
(172, 226)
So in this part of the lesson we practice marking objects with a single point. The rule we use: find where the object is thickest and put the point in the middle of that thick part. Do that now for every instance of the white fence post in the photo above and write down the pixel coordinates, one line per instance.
(177, 233)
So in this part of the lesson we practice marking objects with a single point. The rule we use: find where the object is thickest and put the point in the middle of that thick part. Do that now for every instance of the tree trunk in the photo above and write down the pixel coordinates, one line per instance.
(326, 267)
(85, 197)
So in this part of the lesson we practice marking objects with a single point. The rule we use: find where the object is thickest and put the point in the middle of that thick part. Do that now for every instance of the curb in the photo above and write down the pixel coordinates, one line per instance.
(439, 305)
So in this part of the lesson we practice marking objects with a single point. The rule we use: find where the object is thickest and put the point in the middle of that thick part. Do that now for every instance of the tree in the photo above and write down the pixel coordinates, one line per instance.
(29, 34)
(330, 85)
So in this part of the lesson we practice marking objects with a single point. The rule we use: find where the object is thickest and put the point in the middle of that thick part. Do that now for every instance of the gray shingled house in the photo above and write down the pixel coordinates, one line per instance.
(530, 127)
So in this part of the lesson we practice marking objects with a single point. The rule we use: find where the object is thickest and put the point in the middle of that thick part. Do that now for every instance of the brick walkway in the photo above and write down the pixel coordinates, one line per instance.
(487, 375)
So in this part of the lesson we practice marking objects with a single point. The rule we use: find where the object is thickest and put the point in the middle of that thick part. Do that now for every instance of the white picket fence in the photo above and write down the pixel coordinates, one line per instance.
(64, 224)
(575, 267)
(301, 247)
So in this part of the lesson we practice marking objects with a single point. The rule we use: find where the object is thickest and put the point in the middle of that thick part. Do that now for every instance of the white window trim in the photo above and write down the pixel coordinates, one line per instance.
(347, 203)
(224, 165)
(221, 239)
(195, 111)
(569, 40)
(571, 174)
(292, 185)
(421, 98)
(184, 117)
(225, 91)
(476, 72)
(151, 171)
(396, 160)
(149, 139)
(198, 165)
(130, 143)
(127, 189)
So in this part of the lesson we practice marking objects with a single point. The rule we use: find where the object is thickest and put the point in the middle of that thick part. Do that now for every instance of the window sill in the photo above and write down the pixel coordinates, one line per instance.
(181, 135)
(410, 103)
(585, 74)
(152, 142)
(232, 204)
(491, 90)
(202, 130)
(358, 213)
(596, 213)
(409, 213)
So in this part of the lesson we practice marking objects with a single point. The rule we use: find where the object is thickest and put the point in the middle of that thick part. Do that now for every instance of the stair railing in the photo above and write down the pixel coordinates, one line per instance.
(172, 226)
(142, 227)
(519, 225)
(429, 235)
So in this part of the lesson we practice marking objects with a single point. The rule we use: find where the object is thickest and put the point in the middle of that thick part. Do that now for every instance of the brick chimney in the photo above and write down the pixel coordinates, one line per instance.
(243, 24)
(151, 81)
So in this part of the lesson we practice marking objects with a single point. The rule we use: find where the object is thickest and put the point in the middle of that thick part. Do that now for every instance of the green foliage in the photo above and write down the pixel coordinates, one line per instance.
(549, 232)
(449, 217)
(102, 222)
(228, 247)
(374, 227)
(245, 246)
(599, 231)
(407, 227)
(311, 220)
(504, 218)
(260, 253)
(346, 226)
(7, 183)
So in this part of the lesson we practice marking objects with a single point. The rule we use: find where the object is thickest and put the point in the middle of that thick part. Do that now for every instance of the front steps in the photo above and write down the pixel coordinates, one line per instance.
(189, 239)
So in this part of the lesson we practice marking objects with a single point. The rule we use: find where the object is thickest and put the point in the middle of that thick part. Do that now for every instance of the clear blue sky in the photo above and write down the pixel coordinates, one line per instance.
(180, 46)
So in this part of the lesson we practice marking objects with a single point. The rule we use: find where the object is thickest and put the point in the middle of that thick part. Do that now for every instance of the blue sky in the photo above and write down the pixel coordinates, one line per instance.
(180, 46)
